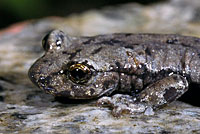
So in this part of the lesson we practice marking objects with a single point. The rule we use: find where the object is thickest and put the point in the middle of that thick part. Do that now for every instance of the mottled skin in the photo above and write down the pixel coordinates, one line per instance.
(146, 70)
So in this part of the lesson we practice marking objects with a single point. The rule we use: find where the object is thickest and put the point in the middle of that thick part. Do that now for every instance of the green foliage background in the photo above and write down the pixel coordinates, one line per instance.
(12, 11)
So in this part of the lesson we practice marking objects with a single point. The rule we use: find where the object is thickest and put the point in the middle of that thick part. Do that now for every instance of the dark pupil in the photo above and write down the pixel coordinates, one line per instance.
(78, 74)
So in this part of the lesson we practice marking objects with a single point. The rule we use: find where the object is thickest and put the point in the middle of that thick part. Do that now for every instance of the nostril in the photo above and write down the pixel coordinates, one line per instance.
(31, 76)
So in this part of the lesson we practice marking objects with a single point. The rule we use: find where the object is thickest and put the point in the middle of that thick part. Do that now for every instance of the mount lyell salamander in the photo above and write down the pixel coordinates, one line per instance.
(129, 73)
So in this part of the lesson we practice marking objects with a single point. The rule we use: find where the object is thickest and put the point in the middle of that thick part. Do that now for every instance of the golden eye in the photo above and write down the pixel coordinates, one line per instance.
(79, 73)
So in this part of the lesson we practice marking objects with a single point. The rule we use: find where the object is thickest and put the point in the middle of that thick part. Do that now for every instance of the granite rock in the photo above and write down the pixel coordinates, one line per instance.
(26, 109)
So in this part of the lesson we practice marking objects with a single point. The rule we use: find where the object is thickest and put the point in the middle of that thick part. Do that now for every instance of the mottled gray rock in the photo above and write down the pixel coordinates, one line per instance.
(26, 109)
(87, 118)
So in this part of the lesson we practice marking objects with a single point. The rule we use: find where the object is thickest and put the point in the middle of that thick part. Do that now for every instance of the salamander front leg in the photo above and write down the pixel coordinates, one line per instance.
(154, 96)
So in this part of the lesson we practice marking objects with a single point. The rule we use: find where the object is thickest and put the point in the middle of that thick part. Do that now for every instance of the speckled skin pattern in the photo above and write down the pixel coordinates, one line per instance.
(139, 71)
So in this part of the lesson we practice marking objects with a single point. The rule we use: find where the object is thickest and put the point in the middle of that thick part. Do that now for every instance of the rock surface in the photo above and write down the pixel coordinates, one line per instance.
(26, 109)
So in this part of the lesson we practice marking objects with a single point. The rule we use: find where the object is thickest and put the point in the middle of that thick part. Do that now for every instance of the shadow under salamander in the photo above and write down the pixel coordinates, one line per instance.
(65, 100)
(192, 96)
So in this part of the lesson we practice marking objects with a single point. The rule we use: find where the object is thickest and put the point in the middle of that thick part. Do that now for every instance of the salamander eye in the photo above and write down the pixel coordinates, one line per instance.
(79, 73)
(45, 43)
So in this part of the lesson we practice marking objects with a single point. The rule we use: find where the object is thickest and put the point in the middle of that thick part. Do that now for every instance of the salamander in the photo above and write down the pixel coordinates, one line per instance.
(129, 73)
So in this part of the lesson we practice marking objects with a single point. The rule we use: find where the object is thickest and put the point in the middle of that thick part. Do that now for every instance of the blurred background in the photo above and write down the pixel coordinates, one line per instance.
(12, 11)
